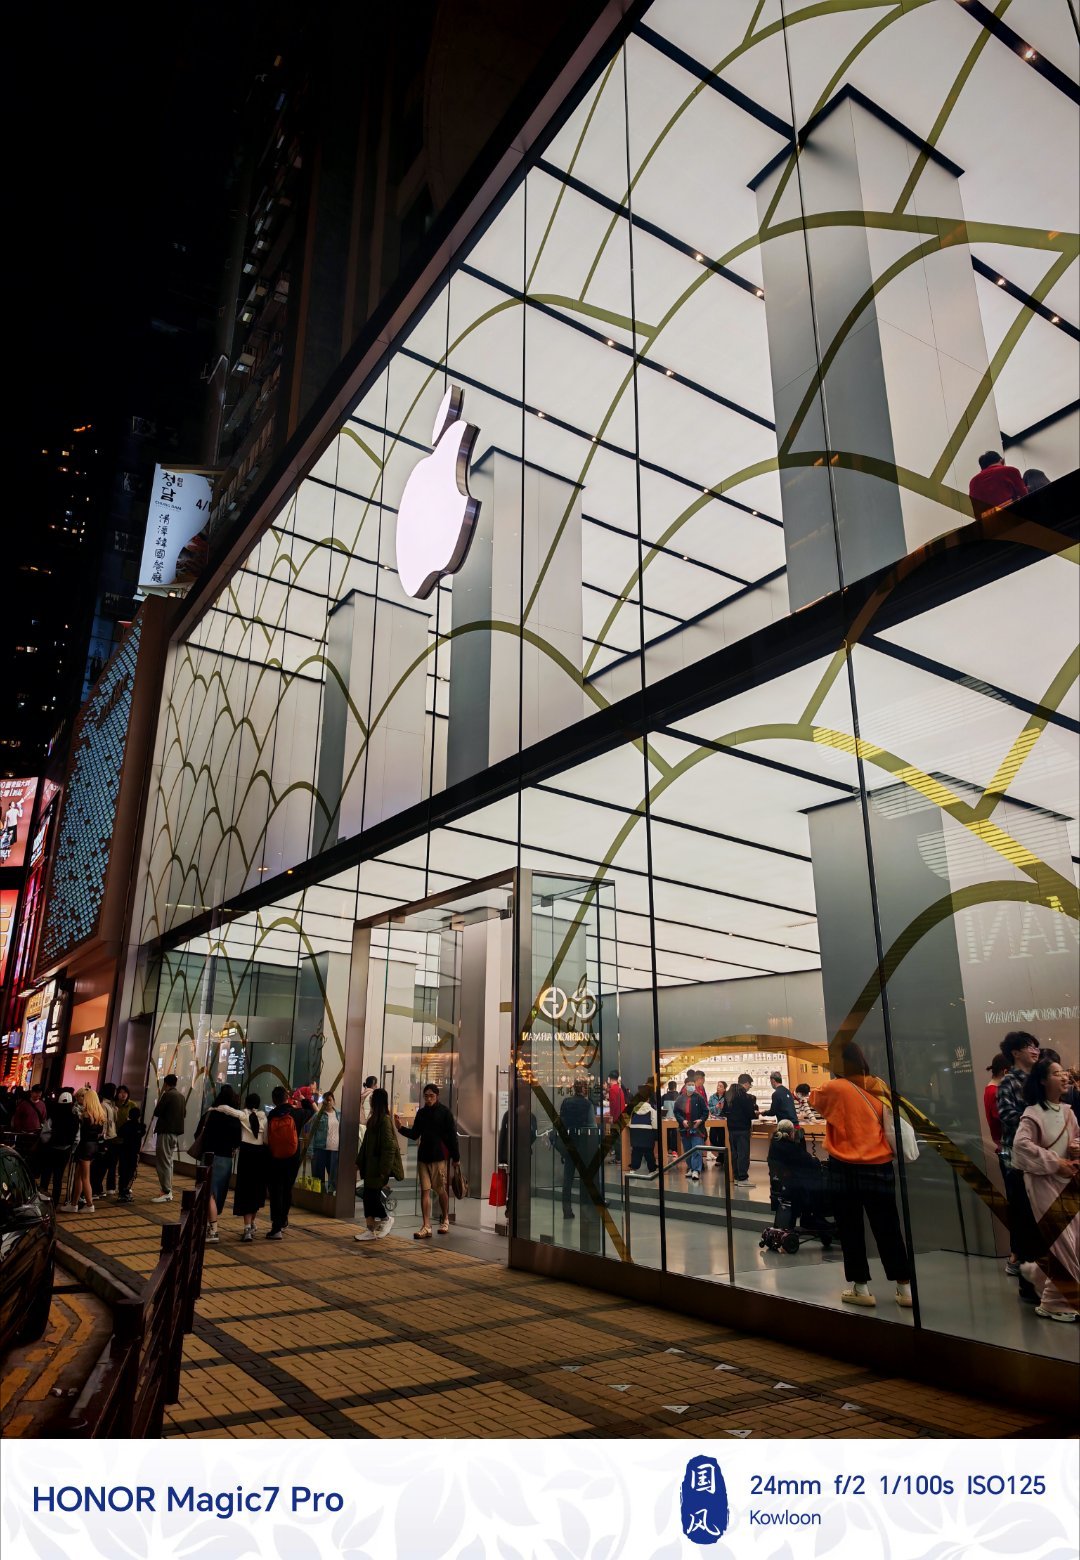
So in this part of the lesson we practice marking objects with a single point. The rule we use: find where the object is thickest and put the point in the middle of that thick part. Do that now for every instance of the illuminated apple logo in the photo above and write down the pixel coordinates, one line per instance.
(437, 515)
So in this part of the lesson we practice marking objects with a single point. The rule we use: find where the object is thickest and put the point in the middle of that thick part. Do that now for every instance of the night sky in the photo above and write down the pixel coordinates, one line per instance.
(126, 135)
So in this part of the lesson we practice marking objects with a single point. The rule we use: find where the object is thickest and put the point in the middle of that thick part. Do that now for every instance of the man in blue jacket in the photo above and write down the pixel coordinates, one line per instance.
(692, 1112)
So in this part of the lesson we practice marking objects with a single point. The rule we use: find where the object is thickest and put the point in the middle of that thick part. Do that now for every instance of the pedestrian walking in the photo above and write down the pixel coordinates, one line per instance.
(284, 1125)
(219, 1134)
(1021, 1052)
(169, 1115)
(378, 1162)
(1046, 1151)
(435, 1130)
(249, 1194)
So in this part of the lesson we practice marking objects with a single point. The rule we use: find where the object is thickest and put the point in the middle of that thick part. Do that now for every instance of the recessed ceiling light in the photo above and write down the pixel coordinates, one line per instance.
(669, 372)
(1029, 54)
(699, 257)
(760, 292)
(610, 342)
(1001, 281)
(1055, 319)
(539, 414)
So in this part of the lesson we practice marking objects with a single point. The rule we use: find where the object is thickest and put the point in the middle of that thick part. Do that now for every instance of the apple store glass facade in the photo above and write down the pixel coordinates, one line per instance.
(770, 733)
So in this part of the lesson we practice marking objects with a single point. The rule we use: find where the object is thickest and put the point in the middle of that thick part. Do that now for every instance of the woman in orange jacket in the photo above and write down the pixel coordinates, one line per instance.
(861, 1178)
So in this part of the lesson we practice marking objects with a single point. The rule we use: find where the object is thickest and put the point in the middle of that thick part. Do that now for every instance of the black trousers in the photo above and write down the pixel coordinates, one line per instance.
(127, 1164)
(103, 1168)
(739, 1138)
(374, 1202)
(280, 1176)
(869, 1190)
(57, 1167)
(642, 1147)
(1027, 1244)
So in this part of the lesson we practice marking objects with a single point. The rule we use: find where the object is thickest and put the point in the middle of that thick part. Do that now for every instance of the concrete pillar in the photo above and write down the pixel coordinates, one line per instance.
(371, 644)
(911, 359)
(484, 664)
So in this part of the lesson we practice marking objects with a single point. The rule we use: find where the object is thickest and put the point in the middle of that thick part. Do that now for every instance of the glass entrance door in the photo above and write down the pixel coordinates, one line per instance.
(439, 1011)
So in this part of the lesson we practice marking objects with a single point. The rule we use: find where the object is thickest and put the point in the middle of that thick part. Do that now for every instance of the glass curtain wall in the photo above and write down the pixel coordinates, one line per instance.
(724, 363)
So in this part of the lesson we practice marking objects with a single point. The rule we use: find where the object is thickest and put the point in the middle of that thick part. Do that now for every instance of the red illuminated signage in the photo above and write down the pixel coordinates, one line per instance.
(16, 816)
(9, 898)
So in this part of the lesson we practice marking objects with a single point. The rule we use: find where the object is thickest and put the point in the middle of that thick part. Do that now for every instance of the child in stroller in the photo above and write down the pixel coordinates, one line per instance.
(797, 1193)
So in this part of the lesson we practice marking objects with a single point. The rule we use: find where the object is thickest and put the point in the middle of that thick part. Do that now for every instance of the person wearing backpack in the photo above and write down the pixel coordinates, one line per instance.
(860, 1177)
(284, 1125)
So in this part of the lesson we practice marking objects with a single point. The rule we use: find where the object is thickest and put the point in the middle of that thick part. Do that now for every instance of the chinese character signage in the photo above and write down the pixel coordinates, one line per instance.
(175, 547)
(16, 812)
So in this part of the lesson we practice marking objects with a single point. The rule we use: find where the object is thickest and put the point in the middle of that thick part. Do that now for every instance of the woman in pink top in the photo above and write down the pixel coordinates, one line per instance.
(861, 1180)
(1047, 1149)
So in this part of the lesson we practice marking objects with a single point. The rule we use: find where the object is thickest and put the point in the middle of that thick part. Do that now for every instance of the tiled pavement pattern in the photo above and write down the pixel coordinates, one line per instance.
(318, 1336)
(41, 1380)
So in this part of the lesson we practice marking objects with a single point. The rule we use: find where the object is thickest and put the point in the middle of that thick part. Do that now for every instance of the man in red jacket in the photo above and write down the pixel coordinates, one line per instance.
(994, 483)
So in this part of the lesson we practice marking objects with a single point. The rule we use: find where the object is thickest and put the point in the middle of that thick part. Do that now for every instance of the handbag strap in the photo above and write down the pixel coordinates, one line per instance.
(870, 1101)
(1052, 1148)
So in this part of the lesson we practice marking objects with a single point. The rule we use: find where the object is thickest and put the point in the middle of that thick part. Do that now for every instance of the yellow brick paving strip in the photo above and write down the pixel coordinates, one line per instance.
(316, 1336)
(40, 1379)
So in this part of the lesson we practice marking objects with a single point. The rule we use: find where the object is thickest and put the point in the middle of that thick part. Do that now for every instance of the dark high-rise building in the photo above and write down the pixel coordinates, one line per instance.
(50, 552)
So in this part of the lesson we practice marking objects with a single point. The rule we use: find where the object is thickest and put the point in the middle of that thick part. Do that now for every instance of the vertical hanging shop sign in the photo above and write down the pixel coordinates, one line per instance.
(175, 547)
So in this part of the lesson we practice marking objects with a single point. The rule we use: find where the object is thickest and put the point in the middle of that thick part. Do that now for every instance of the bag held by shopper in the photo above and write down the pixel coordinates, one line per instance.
(907, 1148)
(497, 1194)
(196, 1149)
(458, 1184)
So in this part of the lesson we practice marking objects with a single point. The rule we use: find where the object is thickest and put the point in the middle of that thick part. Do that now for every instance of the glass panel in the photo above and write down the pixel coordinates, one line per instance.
(577, 1192)
(762, 893)
(972, 777)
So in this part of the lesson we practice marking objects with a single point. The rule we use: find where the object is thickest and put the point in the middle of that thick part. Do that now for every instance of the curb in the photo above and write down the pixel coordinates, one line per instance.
(103, 1283)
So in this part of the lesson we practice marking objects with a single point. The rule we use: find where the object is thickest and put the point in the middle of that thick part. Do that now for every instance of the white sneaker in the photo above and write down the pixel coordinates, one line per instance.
(165, 1197)
(385, 1227)
(1057, 1316)
(212, 1234)
(69, 1208)
(366, 1235)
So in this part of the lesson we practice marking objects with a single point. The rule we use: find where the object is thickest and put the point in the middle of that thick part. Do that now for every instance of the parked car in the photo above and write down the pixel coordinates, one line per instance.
(27, 1253)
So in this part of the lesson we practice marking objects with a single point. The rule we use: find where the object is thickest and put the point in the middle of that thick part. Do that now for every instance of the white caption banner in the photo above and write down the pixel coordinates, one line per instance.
(531, 1500)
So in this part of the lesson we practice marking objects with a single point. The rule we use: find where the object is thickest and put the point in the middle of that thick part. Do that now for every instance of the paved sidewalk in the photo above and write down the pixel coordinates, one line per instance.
(319, 1336)
(41, 1380)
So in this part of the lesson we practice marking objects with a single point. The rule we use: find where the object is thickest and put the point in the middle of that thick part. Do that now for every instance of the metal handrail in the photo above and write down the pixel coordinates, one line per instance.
(654, 1175)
